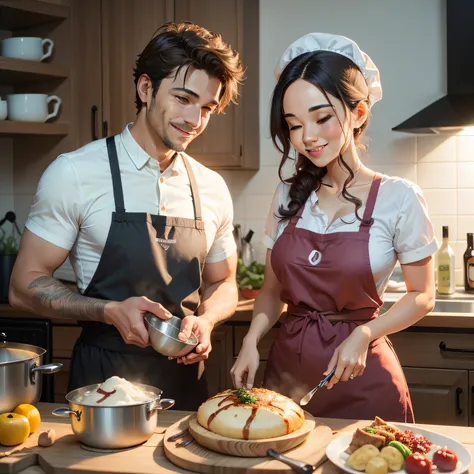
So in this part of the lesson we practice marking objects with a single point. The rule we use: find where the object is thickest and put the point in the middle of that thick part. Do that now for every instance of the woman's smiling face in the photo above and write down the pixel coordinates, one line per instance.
(315, 124)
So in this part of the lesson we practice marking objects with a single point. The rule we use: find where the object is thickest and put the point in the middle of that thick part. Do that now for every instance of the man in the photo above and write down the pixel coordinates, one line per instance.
(143, 224)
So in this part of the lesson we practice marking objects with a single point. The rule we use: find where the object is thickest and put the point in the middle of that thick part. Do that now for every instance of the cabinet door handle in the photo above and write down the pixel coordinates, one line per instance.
(445, 348)
(94, 122)
(105, 129)
(458, 400)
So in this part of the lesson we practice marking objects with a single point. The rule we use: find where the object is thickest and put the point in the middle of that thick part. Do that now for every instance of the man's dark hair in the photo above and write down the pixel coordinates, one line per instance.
(187, 45)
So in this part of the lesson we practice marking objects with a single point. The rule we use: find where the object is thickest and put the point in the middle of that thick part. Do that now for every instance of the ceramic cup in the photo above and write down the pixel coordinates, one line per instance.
(27, 48)
(32, 107)
(3, 109)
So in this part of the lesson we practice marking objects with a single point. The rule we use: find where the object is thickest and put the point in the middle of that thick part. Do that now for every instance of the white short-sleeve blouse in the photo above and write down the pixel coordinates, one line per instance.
(401, 230)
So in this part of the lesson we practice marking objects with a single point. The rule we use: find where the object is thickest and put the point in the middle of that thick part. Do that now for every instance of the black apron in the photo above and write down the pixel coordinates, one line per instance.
(159, 257)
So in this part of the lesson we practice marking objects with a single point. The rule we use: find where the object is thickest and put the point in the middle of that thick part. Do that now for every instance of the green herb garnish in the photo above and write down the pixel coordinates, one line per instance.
(369, 430)
(245, 396)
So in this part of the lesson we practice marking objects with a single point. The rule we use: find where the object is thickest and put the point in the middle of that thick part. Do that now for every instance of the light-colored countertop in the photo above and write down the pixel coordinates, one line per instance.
(434, 319)
(244, 312)
(66, 455)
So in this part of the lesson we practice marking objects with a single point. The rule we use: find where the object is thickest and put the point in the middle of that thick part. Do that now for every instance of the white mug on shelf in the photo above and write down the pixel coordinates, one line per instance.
(32, 107)
(31, 49)
(3, 109)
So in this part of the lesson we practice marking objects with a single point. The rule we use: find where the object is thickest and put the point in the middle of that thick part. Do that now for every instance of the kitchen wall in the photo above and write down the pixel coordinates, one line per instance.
(406, 40)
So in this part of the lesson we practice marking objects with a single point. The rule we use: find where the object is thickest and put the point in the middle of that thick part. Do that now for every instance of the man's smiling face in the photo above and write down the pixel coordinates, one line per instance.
(182, 107)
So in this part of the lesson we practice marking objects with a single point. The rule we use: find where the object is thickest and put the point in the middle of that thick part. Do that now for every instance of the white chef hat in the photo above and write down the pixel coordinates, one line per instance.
(336, 44)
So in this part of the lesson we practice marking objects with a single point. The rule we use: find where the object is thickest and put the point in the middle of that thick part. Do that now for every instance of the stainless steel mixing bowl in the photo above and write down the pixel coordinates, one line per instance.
(164, 336)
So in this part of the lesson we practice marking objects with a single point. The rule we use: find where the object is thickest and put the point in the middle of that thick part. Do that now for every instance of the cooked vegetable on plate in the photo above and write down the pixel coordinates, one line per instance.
(380, 448)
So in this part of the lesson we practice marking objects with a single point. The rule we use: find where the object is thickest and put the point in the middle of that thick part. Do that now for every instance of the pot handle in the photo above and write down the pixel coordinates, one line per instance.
(65, 412)
(162, 404)
(165, 403)
(45, 369)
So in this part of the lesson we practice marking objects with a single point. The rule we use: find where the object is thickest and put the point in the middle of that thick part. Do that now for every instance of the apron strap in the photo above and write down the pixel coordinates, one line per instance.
(294, 220)
(367, 220)
(116, 180)
(194, 191)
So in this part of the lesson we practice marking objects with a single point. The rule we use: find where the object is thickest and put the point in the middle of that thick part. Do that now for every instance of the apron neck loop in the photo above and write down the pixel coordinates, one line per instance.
(368, 220)
(120, 213)
(294, 220)
(194, 191)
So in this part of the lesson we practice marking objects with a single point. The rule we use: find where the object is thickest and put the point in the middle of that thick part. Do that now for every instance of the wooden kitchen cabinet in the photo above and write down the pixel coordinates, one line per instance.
(436, 364)
(439, 395)
(87, 71)
(118, 30)
(127, 27)
(231, 139)
(218, 366)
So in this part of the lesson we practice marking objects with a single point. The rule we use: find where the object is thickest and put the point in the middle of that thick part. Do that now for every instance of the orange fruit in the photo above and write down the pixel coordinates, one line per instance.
(31, 413)
(14, 429)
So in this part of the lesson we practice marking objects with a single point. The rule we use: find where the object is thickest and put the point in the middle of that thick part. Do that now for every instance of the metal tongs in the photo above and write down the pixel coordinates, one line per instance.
(306, 399)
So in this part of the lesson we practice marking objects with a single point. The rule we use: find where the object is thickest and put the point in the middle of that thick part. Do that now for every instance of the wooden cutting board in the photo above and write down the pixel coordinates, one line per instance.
(199, 459)
(250, 448)
(16, 458)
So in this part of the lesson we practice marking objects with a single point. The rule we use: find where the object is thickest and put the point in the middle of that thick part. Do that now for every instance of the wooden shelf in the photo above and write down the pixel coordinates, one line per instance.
(10, 128)
(21, 71)
(15, 14)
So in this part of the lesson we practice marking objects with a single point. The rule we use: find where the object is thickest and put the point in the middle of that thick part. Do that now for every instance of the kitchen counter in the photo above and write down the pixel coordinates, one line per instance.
(66, 455)
(244, 310)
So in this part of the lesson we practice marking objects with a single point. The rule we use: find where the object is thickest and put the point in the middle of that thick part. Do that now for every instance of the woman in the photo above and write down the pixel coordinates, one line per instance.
(334, 234)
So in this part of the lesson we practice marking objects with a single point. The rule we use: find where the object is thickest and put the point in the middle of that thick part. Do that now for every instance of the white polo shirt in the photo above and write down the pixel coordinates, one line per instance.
(74, 202)
(401, 230)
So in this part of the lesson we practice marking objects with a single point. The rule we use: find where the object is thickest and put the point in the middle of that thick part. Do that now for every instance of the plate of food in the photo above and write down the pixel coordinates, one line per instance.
(383, 448)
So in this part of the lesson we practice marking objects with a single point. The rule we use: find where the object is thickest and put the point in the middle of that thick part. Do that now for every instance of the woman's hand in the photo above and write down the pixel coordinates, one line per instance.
(350, 356)
(245, 367)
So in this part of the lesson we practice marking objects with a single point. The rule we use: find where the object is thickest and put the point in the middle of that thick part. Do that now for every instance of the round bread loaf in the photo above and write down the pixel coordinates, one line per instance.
(250, 414)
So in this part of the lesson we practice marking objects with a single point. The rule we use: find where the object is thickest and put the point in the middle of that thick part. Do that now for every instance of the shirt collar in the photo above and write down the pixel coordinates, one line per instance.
(313, 197)
(140, 158)
(136, 153)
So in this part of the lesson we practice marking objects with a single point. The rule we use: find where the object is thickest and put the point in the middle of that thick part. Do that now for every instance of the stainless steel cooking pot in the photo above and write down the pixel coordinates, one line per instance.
(114, 427)
(21, 372)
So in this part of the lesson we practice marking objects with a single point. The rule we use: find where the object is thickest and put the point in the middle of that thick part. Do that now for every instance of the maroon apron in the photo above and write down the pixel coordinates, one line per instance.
(327, 282)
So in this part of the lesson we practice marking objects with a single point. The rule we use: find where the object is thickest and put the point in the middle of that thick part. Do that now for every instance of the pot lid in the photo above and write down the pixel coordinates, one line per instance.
(11, 352)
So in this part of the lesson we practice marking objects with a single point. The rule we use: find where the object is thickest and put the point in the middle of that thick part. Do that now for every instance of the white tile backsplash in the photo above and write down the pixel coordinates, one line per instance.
(466, 202)
(405, 171)
(264, 181)
(465, 225)
(450, 221)
(437, 175)
(258, 226)
(436, 149)
(459, 249)
(466, 174)
(441, 201)
(465, 148)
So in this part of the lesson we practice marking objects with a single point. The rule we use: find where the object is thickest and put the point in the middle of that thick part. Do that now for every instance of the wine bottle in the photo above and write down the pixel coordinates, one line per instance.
(445, 266)
(469, 265)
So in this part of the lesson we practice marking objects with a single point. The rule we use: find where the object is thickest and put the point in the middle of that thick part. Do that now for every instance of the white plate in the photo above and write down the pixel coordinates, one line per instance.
(335, 450)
